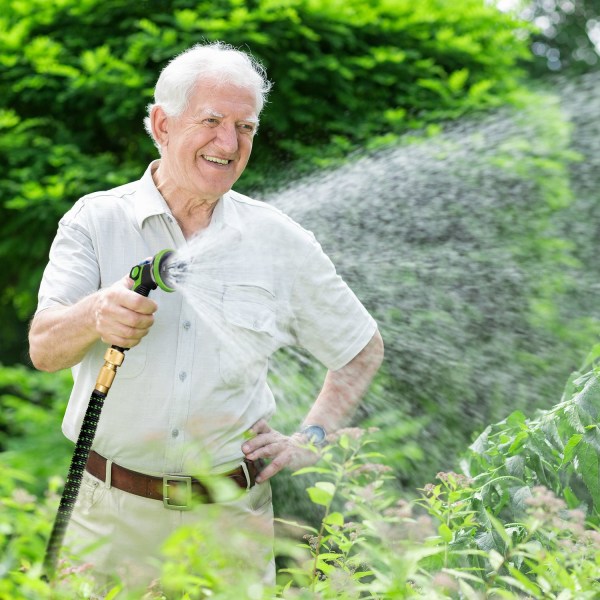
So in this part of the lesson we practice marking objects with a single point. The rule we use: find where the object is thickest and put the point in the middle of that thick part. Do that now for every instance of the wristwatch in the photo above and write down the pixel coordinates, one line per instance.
(315, 434)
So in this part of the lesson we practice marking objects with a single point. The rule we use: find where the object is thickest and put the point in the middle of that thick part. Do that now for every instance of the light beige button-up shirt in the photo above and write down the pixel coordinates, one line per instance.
(187, 393)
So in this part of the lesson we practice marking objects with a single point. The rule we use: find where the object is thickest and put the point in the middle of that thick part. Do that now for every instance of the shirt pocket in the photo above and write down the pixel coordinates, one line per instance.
(249, 333)
(134, 362)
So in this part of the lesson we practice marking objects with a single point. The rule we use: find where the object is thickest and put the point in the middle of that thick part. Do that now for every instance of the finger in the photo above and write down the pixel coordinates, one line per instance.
(127, 282)
(261, 426)
(265, 448)
(138, 303)
(128, 332)
(250, 435)
(276, 465)
(122, 294)
(122, 327)
(126, 343)
(123, 321)
(126, 337)
(259, 442)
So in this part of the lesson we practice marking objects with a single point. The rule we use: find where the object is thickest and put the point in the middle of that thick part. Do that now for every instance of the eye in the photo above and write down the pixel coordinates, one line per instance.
(212, 121)
(247, 127)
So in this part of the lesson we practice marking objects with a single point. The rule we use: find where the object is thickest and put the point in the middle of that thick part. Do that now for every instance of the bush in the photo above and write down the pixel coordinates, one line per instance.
(79, 74)
(30, 437)
(521, 519)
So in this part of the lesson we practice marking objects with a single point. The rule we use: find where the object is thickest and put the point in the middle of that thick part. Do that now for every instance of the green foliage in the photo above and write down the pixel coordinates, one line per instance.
(462, 546)
(32, 405)
(565, 39)
(548, 552)
(558, 450)
(79, 74)
(526, 514)
(456, 541)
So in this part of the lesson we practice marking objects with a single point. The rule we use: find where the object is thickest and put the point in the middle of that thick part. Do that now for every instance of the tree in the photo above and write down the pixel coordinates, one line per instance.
(77, 75)
(568, 36)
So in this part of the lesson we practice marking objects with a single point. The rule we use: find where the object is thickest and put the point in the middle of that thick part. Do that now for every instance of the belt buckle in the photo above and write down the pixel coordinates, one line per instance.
(174, 481)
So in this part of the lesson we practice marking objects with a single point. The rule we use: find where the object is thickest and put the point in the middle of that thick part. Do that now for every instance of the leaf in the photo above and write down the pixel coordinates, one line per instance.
(593, 355)
(478, 89)
(306, 470)
(588, 401)
(296, 524)
(488, 540)
(571, 499)
(480, 444)
(458, 79)
(322, 493)
(445, 533)
(518, 442)
(463, 575)
(113, 592)
(592, 437)
(496, 559)
(334, 518)
(519, 497)
(515, 465)
(588, 461)
(569, 449)
(520, 581)
(516, 419)
(467, 591)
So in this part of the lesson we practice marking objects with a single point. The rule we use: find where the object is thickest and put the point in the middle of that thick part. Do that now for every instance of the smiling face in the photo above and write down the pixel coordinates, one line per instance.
(206, 148)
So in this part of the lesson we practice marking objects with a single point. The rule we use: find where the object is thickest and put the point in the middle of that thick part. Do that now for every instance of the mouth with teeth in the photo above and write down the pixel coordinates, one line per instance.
(214, 159)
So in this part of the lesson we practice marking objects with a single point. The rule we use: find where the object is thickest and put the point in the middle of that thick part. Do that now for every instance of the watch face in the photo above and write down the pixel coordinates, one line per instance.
(315, 433)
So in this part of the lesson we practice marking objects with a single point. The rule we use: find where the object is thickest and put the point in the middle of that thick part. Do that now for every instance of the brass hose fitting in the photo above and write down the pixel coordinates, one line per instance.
(113, 359)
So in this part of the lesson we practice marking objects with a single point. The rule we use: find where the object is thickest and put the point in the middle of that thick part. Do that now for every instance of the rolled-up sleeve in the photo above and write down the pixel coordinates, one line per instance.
(328, 319)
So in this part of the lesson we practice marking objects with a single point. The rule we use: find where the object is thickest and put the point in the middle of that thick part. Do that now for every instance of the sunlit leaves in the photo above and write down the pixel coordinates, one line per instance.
(79, 74)
(560, 449)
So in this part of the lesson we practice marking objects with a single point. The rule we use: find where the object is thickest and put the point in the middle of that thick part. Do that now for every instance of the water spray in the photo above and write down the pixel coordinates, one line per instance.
(147, 276)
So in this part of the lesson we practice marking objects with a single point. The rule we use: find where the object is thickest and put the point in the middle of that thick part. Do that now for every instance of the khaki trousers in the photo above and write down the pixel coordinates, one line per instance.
(123, 537)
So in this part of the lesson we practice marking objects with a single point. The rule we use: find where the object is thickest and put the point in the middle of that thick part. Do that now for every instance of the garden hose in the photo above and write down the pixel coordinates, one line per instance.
(147, 276)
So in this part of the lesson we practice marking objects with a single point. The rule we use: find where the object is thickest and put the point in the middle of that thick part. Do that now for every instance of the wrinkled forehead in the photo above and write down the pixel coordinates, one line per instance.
(224, 97)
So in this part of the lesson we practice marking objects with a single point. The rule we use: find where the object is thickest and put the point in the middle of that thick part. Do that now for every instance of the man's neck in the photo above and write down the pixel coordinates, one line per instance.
(192, 213)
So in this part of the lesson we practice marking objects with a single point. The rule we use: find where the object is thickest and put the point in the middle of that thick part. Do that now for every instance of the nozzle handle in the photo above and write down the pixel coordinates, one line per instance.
(141, 274)
(149, 274)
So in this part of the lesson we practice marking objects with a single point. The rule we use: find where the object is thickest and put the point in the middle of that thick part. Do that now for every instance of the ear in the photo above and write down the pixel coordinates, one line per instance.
(160, 126)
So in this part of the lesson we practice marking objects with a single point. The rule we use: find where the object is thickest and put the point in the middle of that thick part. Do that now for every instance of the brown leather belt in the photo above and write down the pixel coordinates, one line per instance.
(178, 492)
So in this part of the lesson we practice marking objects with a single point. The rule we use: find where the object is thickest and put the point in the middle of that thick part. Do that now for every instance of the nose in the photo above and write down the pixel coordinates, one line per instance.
(227, 140)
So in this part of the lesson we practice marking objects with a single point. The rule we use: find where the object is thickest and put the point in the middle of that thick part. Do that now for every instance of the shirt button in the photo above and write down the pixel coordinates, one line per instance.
(175, 433)
(182, 375)
(186, 325)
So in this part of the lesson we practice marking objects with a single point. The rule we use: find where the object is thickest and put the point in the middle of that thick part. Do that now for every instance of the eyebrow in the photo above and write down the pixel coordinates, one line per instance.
(213, 113)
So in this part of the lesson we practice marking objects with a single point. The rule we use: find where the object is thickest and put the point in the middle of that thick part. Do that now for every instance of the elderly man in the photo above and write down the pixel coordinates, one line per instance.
(180, 405)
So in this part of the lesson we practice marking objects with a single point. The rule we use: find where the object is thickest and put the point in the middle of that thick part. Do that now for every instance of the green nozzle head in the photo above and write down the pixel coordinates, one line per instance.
(159, 270)
(150, 274)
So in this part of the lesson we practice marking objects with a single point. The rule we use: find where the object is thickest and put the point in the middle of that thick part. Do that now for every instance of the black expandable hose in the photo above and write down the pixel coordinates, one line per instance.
(147, 276)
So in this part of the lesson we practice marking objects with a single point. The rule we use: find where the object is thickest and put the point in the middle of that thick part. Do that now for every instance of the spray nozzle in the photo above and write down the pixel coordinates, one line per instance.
(151, 273)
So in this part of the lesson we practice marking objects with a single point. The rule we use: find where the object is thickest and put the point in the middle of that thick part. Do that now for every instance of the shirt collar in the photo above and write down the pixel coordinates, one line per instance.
(150, 202)
(226, 214)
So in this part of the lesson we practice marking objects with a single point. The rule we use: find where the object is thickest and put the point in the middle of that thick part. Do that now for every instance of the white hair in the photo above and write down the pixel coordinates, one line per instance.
(216, 62)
